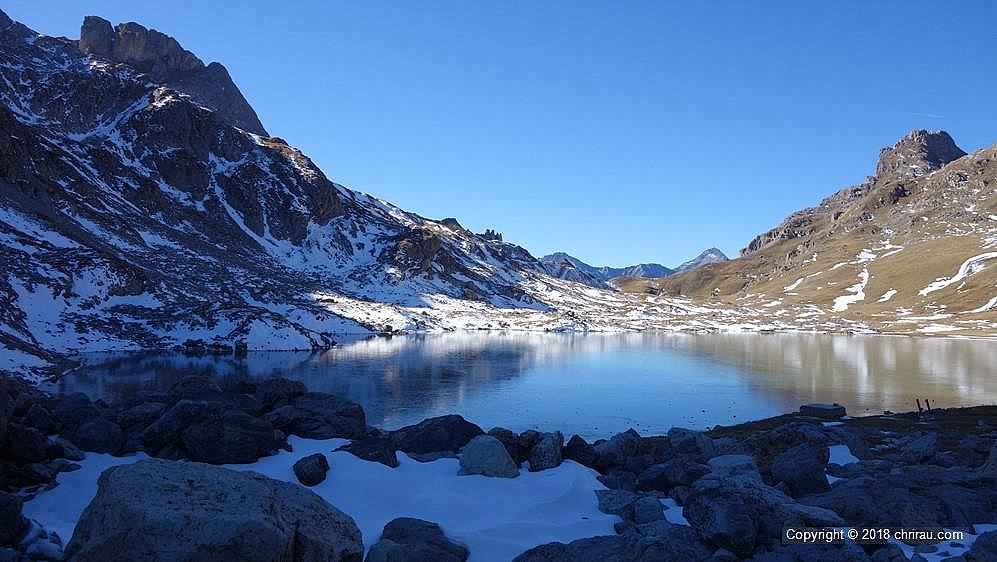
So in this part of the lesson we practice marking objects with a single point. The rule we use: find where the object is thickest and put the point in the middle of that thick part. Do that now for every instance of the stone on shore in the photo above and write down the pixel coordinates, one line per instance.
(413, 540)
(546, 452)
(316, 415)
(434, 435)
(99, 436)
(374, 449)
(163, 510)
(578, 450)
(487, 456)
(691, 442)
(800, 470)
(823, 411)
(12, 523)
(233, 437)
(311, 470)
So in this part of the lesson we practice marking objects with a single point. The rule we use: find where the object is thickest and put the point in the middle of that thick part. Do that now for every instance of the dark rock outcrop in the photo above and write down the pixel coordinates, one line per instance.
(162, 57)
(317, 415)
(374, 449)
(311, 470)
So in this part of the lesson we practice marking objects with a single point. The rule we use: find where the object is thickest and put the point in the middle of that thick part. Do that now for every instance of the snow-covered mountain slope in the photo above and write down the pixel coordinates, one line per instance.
(709, 255)
(912, 249)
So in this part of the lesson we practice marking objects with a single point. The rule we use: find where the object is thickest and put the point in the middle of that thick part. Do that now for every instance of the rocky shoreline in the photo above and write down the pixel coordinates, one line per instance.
(722, 494)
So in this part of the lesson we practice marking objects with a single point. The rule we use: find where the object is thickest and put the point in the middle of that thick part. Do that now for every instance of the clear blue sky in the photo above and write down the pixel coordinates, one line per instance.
(619, 132)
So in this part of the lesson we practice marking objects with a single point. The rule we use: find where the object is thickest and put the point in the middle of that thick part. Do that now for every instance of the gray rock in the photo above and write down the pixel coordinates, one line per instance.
(612, 548)
(734, 465)
(847, 552)
(311, 470)
(444, 433)
(487, 456)
(164, 510)
(984, 548)
(233, 437)
(650, 542)
(615, 452)
(27, 444)
(413, 540)
(141, 415)
(578, 450)
(511, 443)
(690, 442)
(823, 411)
(920, 449)
(12, 523)
(681, 471)
(63, 448)
(74, 409)
(800, 470)
(617, 502)
(40, 418)
(272, 391)
(317, 415)
(168, 427)
(619, 480)
(648, 509)
(373, 449)
(546, 453)
(99, 435)
(989, 469)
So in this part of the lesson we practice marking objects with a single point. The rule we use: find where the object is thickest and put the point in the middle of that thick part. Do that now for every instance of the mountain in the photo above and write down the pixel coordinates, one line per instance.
(560, 264)
(710, 255)
(143, 205)
(912, 248)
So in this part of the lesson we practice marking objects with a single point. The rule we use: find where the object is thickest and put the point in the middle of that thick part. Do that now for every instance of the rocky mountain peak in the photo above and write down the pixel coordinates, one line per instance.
(919, 152)
(161, 56)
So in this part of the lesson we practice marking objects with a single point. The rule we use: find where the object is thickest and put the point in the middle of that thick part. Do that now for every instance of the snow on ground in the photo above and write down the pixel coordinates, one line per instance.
(496, 518)
(840, 454)
(887, 295)
(857, 291)
(968, 267)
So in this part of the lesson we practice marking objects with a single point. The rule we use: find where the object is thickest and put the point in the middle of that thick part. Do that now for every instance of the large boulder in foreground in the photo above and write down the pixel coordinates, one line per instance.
(413, 540)
(186, 511)
(434, 435)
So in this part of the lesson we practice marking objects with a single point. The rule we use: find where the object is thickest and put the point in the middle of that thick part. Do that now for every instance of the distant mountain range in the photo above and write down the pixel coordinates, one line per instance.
(571, 268)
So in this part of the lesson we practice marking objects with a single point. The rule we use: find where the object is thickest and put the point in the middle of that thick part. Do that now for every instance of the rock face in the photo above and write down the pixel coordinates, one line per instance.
(162, 510)
(318, 415)
(413, 540)
(487, 456)
(444, 433)
(160, 56)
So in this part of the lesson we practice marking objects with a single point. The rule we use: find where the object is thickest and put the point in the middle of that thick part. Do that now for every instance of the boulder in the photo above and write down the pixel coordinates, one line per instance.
(619, 480)
(317, 415)
(614, 452)
(648, 509)
(12, 523)
(444, 433)
(689, 442)
(40, 418)
(650, 542)
(27, 444)
(270, 392)
(511, 443)
(311, 470)
(197, 387)
(232, 437)
(546, 453)
(989, 469)
(168, 427)
(823, 411)
(373, 449)
(578, 450)
(984, 548)
(800, 470)
(920, 449)
(617, 502)
(413, 540)
(99, 435)
(680, 471)
(487, 456)
(141, 415)
(611, 548)
(734, 465)
(163, 510)
(74, 409)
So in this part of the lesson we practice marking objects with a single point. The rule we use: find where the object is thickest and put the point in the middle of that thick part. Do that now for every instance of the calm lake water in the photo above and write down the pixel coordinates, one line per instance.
(593, 384)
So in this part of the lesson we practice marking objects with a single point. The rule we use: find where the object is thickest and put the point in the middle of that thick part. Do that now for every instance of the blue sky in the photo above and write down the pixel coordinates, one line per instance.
(618, 132)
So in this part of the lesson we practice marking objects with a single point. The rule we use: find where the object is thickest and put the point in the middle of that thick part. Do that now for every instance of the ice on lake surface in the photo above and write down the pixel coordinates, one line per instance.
(592, 384)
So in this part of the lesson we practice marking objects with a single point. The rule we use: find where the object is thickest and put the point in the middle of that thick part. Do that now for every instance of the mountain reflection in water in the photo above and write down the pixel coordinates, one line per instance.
(591, 384)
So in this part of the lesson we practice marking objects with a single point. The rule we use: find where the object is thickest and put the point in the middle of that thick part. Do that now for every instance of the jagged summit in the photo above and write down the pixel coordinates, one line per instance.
(161, 56)
(919, 152)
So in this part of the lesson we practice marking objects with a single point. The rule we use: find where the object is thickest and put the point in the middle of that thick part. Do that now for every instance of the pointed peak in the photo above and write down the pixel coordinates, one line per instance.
(919, 152)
